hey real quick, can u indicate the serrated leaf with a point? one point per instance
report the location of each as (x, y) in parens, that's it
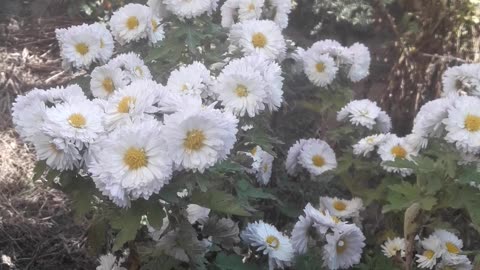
(401, 196)
(401, 163)
(155, 215)
(468, 175)
(96, 237)
(188, 241)
(233, 262)
(246, 190)
(39, 169)
(219, 201)
(160, 263)
(223, 231)
(128, 222)
(227, 166)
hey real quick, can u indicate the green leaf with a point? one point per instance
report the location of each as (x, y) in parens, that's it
(162, 262)
(39, 169)
(223, 231)
(401, 196)
(96, 237)
(155, 215)
(227, 166)
(127, 221)
(469, 174)
(246, 190)
(219, 201)
(401, 163)
(233, 262)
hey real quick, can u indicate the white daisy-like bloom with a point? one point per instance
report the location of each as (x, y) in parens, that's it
(322, 219)
(130, 23)
(262, 165)
(105, 80)
(451, 244)
(196, 213)
(242, 9)
(80, 121)
(170, 102)
(320, 69)
(272, 76)
(300, 234)
(62, 94)
(241, 88)
(282, 11)
(344, 247)
(109, 262)
(432, 247)
(384, 122)
(266, 238)
(360, 65)
(394, 246)
(259, 36)
(28, 114)
(460, 262)
(105, 39)
(342, 208)
(393, 148)
(462, 79)
(158, 8)
(428, 121)
(58, 153)
(79, 46)
(416, 141)
(193, 79)
(317, 157)
(130, 104)
(188, 9)
(155, 31)
(132, 161)
(368, 144)
(199, 137)
(293, 156)
(365, 113)
(332, 48)
(132, 65)
(463, 124)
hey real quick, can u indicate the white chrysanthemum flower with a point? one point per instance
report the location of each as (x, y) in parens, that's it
(416, 141)
(28, 114)
(197, 213)
(368, 144)
(79, 46)
(360, 65)
(259, 36)
(428, 121)
(282, 11)
(344, 247)
(193, 79)
(317, 157)
(300, 234)
(460, 262)
(463, 124)
(188, 9)
(394, 246)
(80, 121)
(132, 65)
(62, 94)
(170, 102)
(266, 238)
(293, 155)
(158, 8)
(132, 161)
(199, 137)
(396, 148)
(320, 69)
(432, 251)
(462, 79)
(262, 165)
(132, 103)
(451, 244)
(243, 10)
(332, 48)
(109, 262)
(130, 23)
(105, 80)
(342, 208)
(322, 220)
(105, 39)
(365, 113)
(59, 154)
(241, 88)
(155, 31)
(272, 76)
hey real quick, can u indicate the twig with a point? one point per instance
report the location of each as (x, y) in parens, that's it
(445, 58)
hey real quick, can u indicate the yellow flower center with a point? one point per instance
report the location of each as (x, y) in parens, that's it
(318, 161)
(273, 242)
(339, 206)
(102, 44)
(341, 246)
(241, 91)
(154, 25)
(251, 7)
(320, 67)
(82, 48)
(184, 88)
(259, 40)
(107, 85)
(135, 158)
(253, 151)
(124, 104)
(139, 71)
(429, 254)
(335, 219)
(398, 152)
(77, 120)
(472, 123)
(452, 248)
(132, 23)
(195, 140)
(265, 168)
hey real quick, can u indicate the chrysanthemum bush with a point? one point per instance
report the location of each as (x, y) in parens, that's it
(201, 137)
